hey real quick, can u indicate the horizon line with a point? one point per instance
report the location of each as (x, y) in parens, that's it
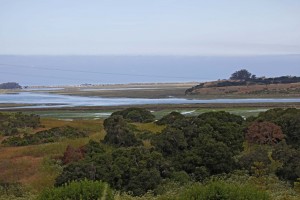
(153, 55)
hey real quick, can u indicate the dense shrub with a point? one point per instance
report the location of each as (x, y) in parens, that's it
(290, 159)
(11, 122)
(192, 148)
(51, 135)
(250, 159)
(170, 118)
(134, 169)
(203, 145)
(11, 189)
(288, 120)
(119, 133)
(221, 190)
(79, 190)
(136, 115)
(264, 133)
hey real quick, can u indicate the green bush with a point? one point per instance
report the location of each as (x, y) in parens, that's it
(221, 190)
(136, 115)
(79, 190)
(12, 123)
(46, 136)
(170, 118)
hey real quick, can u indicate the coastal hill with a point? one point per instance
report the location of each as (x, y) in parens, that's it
(244, 83)
(10, 85)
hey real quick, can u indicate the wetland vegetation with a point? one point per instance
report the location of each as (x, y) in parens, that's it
(179, 156)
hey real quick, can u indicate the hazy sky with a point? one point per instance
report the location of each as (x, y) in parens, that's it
(155, 27)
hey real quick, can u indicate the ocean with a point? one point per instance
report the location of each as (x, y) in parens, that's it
(75, 70)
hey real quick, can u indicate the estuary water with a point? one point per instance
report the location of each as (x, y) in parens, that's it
(48, 100)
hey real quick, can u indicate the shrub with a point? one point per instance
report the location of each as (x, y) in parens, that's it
(46, 136)
(119, 133)
(79, 190)
(264, 133)
(170, 118)
(221, 190)
(136, 115)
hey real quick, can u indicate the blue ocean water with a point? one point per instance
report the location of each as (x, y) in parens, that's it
(73, 70)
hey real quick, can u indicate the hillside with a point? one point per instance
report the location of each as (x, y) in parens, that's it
(10, 85)
(249, 85)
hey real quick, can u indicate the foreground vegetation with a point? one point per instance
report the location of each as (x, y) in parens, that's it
(215, 155)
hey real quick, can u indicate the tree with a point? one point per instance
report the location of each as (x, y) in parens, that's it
(118, 132)
(288, 120)
(134, 169)
(170, 118)
(170, 141)
(241, 75)
(264, 133)
(136, 115)
(249, 159)
(290, 159)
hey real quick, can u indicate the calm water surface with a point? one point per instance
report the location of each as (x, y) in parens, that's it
(46, 100)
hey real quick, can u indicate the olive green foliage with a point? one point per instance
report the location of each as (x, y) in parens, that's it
(136, 115)
(290, 159)
(170, 118)
(288, 120)
(134, 169)
(287, 152)
(119, 133)
(46, 136)
(11, 189)
(218, 190)
(79, 190)
(189, 149)
(11, 123)
(250, 160)
(203, 145)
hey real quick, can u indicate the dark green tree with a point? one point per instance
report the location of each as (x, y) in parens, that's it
(290, 159)
(170, 141)
(170, 118)
(134, 169)
(242, 74)
(136, 115)
(118, 132)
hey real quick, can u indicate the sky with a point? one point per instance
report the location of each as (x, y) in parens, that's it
(149, 27)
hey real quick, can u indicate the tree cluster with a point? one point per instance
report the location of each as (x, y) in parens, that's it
(197, 146)
(190, 148)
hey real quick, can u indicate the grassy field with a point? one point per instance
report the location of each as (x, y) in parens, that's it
(33, 166)
(37, 166)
